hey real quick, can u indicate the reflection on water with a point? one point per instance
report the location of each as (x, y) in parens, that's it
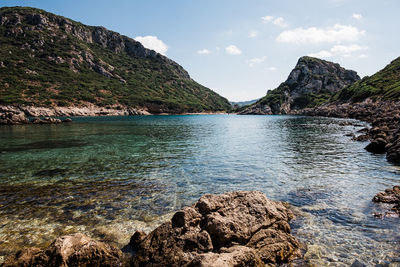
(48, 144)
(110, 176)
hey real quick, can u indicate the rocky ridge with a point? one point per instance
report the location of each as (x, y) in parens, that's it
(232, 229)
(311, 82)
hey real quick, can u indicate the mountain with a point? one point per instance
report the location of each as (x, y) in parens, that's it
(383, 85)
(243, 103)
(51, 61)
(311, 83)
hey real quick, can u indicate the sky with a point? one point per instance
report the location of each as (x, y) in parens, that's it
(243, 48)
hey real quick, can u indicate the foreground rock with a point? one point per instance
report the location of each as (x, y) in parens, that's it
(70, 250)
(232, 229)
(389, 196)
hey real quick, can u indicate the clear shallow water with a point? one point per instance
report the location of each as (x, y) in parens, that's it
(109, 176)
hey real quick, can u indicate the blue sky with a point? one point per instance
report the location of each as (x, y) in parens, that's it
(242, 48)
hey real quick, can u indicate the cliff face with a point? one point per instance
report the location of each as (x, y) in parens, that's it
(48, 60)
(312, 82)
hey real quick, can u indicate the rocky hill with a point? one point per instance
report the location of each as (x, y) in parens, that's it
(383, 85)
(312, 82)
(51, 61)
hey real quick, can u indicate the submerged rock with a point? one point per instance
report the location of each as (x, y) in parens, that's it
(46, 120)
(69, 250)
(232, 229)
(389, 196)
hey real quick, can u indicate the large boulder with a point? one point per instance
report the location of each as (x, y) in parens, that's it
(232, 229)
(393, 151)
(67, 251)
(377, 146)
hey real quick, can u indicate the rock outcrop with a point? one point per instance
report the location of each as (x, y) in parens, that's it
(12, 115)
(16, 115)
(311, 81)
(389, 196)
(70, 250)
(232, 229)
(257, 109)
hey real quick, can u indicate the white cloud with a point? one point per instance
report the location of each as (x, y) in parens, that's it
(152, 42)
(334, 34)
(253, 33)
(272, 69)
(217, 48)
(257, 60)
(267, 18)
(204, 52)
(233, 50)
(363, 56)
(341, 51)
(276, 21)
(357, 16)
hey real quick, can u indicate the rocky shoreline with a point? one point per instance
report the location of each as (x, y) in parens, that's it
(17, 115)
(11, 115)
(232, 229)
(384, 117)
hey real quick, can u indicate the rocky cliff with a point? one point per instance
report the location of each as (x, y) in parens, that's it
(312, 82)
(51, 61)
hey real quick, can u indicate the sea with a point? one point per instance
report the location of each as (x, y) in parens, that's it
(110, 176)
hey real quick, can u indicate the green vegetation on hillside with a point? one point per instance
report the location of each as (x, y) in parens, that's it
(48, 66)
(384, 84)
(277, 96)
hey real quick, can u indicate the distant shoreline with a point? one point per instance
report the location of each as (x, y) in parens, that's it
(21, 114)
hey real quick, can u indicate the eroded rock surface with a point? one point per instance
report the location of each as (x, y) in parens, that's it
(232, 229)
(12, 115)
(70, 250)
(389, 196)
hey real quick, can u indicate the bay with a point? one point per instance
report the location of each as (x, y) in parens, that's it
(110, 176)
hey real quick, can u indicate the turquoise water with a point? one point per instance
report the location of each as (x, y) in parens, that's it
(110, 176)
